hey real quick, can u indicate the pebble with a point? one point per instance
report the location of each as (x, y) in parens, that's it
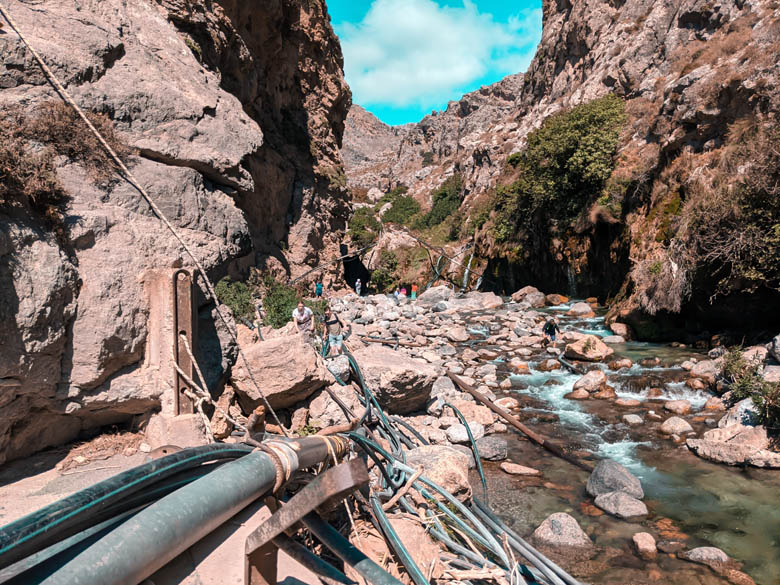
(632, 419)
(145, 448)
(644, 543)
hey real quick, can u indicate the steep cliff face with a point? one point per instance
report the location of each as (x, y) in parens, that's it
(699, 82)
(234, 113)
(470, 137)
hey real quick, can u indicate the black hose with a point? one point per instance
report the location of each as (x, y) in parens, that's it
(35, 531)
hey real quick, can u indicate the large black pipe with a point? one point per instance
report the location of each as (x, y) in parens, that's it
(63, 518)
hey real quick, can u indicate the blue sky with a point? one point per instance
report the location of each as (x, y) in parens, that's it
(404, 58)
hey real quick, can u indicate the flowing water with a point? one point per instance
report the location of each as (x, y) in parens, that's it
(702, 503)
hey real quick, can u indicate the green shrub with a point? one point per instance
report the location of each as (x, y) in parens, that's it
(279, 300)
(655, 267)
(384, 277)
(403, 209)
(237, 296)
(745, 381)
(563, 168)
(364, 227)
(446, 201)
(427, 158)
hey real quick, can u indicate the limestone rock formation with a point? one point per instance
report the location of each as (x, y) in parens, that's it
(291, 372)
(401, 384)
(234, 114)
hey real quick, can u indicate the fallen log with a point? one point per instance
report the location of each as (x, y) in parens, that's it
(553, 448)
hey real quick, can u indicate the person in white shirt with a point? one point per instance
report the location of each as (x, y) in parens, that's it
(304, 320)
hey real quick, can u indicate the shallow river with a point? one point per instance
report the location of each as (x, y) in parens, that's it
(737, 510)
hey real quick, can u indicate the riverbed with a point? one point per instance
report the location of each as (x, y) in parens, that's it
(689, 499)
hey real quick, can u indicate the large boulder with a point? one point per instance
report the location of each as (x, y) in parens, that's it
(589, 348)
(445, 466)
(707, 370)
(591, 381)
(325, 412)
(774, 347)
(610, 476)
(520, 295)
(621, 505)
(743, 413)
(581, 310)
(561, 531)
(286, 369)
(401, 384)
(675, 425)
(435, 294)
(536, 300)
(733, 445)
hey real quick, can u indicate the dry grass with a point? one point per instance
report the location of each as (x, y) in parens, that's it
(100, 448)
(31, 141)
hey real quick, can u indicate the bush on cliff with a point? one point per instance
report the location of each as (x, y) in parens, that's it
(404, 207)
(446, 201)
(562, 169)
(237, 296)
(384, 277)
(363, 227)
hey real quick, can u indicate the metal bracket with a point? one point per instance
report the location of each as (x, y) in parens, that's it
(183, 324)
(260, 551)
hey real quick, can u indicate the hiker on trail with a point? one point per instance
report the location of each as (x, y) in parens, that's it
(551, 329)
(259, 319)
(335, 329)
(403, 291)
(358, 286)
(318, 289)
(304, 320)
(414, 291)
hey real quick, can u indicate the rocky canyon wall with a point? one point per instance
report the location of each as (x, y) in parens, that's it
(699, 79)
(233, 113)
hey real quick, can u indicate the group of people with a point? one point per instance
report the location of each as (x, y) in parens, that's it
(303, 317)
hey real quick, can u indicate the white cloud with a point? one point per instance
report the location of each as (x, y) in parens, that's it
(415, 52)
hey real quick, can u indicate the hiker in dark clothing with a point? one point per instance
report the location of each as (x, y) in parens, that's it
(551, 329)
(335, 330)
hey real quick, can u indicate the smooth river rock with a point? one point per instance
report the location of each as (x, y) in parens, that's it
(561, 531)
(621, 505)
(610, 476)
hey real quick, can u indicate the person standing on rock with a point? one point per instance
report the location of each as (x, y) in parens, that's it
(259, 318)
(318, 289)
(414, 291)
(335, 330)
(358, 286)
(551, 329)
(304, 320)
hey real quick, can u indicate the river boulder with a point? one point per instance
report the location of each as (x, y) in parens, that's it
(401, 384)
(555, 299)
(732, 445)
(581, 310)
(492, 448)
(590, 349)
(676, 426)
(434, 295)
(774, 347)
(561, 531)
(591, 381)
(536, 300)
(678, 406)
(610, 476)
(707, 370)
(645, 546)
(520, 295)
(621, 505)
(445, 466)
(286, 369)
